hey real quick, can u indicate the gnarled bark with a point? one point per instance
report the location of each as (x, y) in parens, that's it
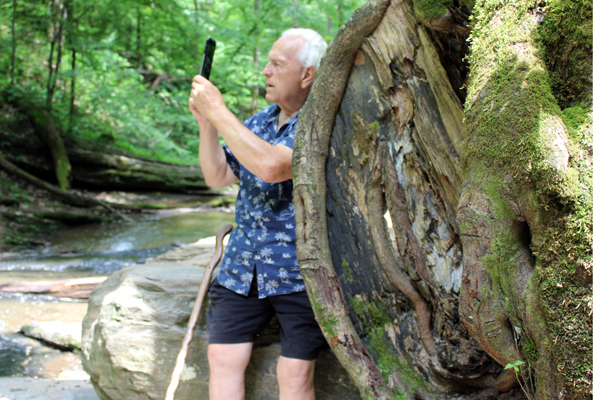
(309, 186)
(399, 228)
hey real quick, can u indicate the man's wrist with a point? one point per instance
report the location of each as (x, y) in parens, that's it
(206, 127)
(222, 116)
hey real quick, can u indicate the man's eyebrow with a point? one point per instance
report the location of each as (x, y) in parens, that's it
(280, 58)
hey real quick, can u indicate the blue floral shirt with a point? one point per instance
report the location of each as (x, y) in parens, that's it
(265, 237)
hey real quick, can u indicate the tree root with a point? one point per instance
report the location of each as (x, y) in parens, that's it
(391, 263)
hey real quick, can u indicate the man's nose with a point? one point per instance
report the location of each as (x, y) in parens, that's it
(267, 70)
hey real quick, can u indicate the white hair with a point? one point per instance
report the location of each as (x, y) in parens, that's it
(313, 48)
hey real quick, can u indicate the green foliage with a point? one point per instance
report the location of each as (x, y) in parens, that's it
(514, 365)
(119, 49)
(9, 188)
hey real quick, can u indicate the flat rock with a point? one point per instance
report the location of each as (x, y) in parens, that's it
(79, 288)
(47, 389)
(136, 322)
(66, 335)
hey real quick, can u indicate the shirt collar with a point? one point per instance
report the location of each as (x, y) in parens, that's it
(275, 114)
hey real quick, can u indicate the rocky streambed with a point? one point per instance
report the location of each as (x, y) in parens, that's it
(71, 254)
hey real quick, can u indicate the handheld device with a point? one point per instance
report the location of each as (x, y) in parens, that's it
(207, 58)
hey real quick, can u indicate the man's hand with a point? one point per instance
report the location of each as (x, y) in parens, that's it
(205, 99)
(200, 119)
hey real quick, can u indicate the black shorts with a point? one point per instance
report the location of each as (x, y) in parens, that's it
(234, 318)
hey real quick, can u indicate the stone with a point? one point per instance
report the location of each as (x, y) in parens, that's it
(136, 322)
(79, 288)
(47, 389)
(64, 335)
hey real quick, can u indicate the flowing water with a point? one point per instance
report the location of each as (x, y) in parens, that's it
(78, 252)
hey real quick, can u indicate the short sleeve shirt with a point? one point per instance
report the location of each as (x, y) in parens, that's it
(265, 237)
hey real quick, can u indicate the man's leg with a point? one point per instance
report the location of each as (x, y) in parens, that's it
(228, 364)
(296, 379)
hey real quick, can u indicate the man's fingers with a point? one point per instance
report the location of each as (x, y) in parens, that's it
(200, 79)
(197, 87)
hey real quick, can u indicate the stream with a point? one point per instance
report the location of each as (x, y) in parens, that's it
(78, 252)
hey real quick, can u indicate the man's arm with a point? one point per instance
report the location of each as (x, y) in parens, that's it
(270, 163)
(217, 173)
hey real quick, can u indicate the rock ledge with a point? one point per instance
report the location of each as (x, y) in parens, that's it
(135, 324)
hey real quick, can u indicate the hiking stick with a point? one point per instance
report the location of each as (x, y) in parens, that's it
(196, 311)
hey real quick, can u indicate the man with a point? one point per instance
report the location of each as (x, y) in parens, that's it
(260, 274)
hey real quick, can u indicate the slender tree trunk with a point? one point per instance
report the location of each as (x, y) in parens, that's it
(138, 36)
(59, 16)
(196, 45)
(14, 43)
(313, 250)
(50, 72)
(71, 37)
(73, 83)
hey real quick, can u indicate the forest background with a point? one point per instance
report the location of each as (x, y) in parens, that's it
(119, 73)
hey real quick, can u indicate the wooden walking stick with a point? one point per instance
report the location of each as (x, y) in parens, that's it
(196, 311)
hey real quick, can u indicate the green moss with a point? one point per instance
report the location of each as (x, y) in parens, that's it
(389, 362)
(493, 187)
(567, 36)
(512, 110)
(370, 313)
(364, 137)
(329, 323)
(373, 316)
(530, 349)
(578, 120)
(347, 272)
(429, 10)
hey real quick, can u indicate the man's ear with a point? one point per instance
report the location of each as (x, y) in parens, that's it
(308, 77)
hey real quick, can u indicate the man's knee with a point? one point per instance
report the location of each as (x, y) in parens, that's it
(296, 374)
(230, 357)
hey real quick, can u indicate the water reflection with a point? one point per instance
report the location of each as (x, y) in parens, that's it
(104, 249)
(158, 230)
(13, 354)
(93, 262)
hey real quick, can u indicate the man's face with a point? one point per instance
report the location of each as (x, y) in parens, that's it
(284, 72)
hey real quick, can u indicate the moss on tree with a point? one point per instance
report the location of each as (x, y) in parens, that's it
(430, 10)
(513, 109)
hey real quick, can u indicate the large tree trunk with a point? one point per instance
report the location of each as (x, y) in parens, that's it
(418, 253)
